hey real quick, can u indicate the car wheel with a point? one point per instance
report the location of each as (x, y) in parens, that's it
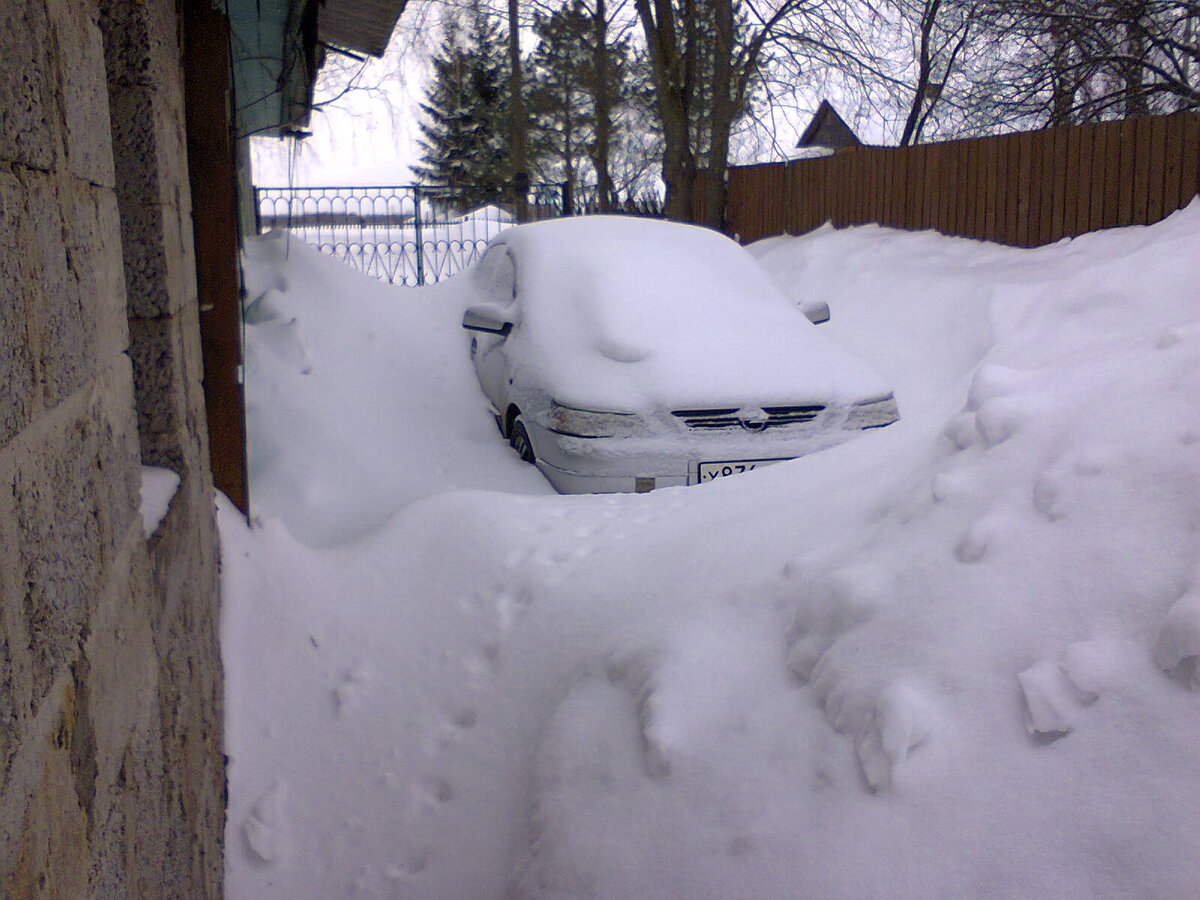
(520, 441)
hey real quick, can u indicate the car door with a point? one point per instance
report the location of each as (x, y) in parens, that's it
(496, 278)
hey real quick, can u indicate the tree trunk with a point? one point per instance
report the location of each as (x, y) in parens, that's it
(924, 68)
(679, 160)
(603, 100)
(520, 124)
(1062, 99)
(1131, 71)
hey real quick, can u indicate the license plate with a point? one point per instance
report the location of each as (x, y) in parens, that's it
(711, 471)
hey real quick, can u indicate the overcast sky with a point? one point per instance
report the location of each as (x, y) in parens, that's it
(368, 135)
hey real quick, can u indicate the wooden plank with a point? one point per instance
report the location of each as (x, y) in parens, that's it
(968, 201)
(867, 212)
(947, 187)
(1172, 164)
(811, 185)
(1156, 168)
(898, 163)
(994, 197)
(1141, 172)
(797, 201)
(1112, 173)
(1061, 171)
(988, 151)
(1024, 188)
(931, 201)
(1044, 161)
(1086, 179)
(212, 170)
(1095, 141)
(888, 160)
(883, 184)
(1189, 160)
(842, 196)
(977, 196)
(875, 206)
(1031, 173)
(1125, 173)
(1071, 174)
(1010, 183)
(805, 184)
(853, 186)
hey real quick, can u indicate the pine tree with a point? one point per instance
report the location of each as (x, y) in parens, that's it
(563, 89)
(465, 139)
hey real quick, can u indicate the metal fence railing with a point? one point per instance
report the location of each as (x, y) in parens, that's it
(416, 234)
(404, 234)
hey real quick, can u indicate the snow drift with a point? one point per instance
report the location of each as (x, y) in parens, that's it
(956, 657)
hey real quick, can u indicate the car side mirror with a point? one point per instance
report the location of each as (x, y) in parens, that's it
(816, 312)
(487, 319)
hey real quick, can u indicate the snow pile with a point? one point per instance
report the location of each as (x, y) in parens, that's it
(955, 657)
(158, 489)
(359, 397)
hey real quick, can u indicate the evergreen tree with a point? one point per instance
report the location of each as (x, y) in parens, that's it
(465, 137)
(567, 90)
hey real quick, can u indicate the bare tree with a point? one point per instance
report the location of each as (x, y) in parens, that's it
(1087, 60)
(704, 58)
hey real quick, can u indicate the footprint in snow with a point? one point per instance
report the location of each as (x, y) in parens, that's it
(347, 696)
(993, 381)
(998, 420)
(973, 546)
(1055, 694)
(1177, 648)
(903, 719)
(950, 486)
(1048, 495)
(1051, 701)
(961, 431)
(263, 830)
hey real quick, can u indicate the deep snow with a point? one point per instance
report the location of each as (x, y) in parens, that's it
(955, 657)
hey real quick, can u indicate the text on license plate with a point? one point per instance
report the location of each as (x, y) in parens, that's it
(710, 471)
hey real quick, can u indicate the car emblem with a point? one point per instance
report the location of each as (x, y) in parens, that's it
(756, 423)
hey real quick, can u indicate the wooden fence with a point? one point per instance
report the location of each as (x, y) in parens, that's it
(1023, 189)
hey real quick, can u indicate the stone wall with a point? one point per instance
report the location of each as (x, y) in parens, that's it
(111, 773)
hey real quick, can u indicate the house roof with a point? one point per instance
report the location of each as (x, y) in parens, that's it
(362, 25)
(828, 129)
(278, 48)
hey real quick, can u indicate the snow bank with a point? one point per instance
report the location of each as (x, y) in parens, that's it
(956, 657)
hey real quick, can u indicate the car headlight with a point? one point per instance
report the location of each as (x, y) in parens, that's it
(588, 423)
(873, 413)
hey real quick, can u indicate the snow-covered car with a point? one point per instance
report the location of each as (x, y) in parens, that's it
(625, 354)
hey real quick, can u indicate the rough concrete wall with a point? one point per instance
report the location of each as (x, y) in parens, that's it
(111, 775)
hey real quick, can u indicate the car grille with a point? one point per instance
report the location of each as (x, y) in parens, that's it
(728, 418)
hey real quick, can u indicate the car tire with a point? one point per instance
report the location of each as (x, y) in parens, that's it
(521, 443)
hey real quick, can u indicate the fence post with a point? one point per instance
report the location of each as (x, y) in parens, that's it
(418, 237)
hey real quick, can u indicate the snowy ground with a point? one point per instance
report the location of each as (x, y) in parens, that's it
(952, 658)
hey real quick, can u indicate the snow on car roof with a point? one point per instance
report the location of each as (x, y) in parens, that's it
(634, 314)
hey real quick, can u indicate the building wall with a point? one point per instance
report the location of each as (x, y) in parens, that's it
(111, 773)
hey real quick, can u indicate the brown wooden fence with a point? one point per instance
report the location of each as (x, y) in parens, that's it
(1023, 189)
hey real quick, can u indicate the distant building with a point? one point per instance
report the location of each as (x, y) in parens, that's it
(826, 134)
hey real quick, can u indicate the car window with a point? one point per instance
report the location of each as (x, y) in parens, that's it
(496, 276)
